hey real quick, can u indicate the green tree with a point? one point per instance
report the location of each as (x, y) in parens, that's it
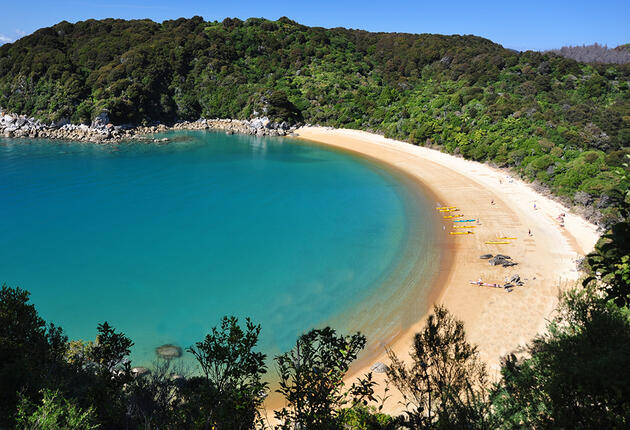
(155, 397)
(103, 374)
(609, 264)
(445, 385)
(312, 380)
(54, 413)
(31, 353)
(576, 375)
(231, 391)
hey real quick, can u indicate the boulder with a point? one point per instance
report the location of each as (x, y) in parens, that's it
(140, 371)
(168, 351)
(379, 367)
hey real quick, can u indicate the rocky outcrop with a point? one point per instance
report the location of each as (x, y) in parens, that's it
(257, 126)
(102, 131)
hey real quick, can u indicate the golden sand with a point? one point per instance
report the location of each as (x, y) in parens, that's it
(497, 321)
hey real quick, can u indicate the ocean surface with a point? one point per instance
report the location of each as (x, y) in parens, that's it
(162, 240)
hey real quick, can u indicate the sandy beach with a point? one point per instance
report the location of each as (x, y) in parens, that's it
(497, 321)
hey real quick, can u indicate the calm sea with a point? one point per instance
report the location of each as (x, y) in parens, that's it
(161, 241)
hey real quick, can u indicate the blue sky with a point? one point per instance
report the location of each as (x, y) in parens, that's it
(514, 24)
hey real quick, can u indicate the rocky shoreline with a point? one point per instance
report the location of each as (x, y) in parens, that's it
(102, 131)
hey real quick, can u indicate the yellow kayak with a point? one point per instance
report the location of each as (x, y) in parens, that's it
(495, 242)
(447, 207)
(461, 232)
(453, 216)
(449, 210)
(464, 226)
(504, 238)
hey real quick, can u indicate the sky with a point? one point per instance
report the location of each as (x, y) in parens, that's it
(521, 25)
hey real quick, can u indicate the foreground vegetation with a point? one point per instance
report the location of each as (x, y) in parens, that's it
(574, 376)
(563, 124)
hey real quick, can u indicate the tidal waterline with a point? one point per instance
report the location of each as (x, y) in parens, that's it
(163, 240)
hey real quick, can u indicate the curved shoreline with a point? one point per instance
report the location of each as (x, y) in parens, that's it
(422, 195)
(497, 321)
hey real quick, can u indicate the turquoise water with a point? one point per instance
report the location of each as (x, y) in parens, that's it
(163, 240)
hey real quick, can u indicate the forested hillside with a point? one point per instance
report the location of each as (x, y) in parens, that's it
(561, 123)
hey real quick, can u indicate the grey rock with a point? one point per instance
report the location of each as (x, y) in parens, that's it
(379, 367)
(168, 351)
(101, 120)
(140, 371)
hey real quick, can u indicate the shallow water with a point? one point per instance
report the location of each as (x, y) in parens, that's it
(163, 240)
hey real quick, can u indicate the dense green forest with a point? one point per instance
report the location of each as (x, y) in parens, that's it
(560, 123)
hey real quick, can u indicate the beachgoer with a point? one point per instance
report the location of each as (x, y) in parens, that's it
(534, 206)
(529, 231)
(492, 202)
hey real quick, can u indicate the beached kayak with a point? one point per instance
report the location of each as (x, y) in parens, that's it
(464, 220)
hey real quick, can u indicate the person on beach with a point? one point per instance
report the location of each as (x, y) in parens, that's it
(492, 202)
(534, 206)
(529, 231)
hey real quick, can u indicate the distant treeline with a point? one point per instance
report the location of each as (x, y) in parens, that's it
(562, 124)
(595, 53)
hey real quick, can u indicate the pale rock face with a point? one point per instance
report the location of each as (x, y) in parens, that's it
(101, 120)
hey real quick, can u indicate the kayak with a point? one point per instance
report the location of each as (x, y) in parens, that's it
(504, 238)
(464, 220)
(461, 232)
(447, 207)
(495, 242)
(486, 284)
(449, 210)
(453, 216)
(464, 226)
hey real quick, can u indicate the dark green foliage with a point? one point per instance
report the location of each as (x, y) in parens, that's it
(155, 399)
(463, 93)
(576, 376)
(231, 391)
(610, 264)
(445, 386)
(103, 374)
(31, 353)
(311, 380)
